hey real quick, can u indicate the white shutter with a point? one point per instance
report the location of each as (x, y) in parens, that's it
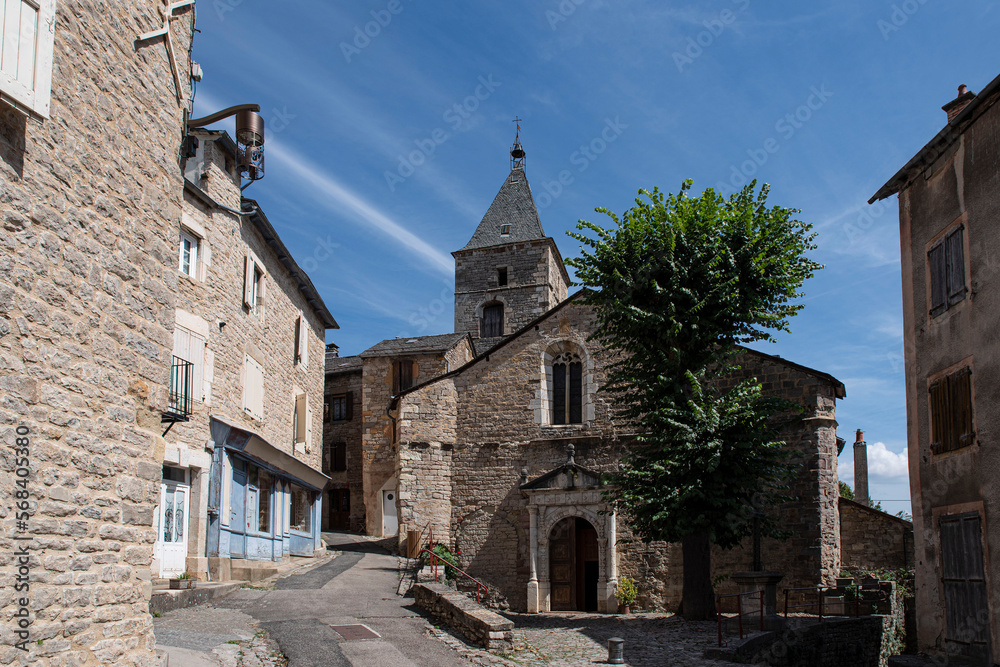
(309, 422)
(303, 329)
(189, 346)
(300, 418)
(248, 283)
(253, 388)
(27, 31)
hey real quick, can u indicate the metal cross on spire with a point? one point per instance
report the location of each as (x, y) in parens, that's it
(167, 11)
(516, 152)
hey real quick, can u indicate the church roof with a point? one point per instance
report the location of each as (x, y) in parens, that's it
(416, 345)
(512, 206)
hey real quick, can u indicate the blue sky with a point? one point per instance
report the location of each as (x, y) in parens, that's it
(389, 123)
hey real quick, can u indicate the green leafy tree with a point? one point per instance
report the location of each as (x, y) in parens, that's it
(845, 490)
(676, 283)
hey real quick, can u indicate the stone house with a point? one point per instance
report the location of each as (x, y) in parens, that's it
(948, 207)
(90, 200)
(240, 489)
(471, 433)
(342, 498)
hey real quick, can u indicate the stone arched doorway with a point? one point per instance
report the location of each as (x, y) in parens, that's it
(574, 565)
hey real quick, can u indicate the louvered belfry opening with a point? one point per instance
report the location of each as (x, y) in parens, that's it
(492, 325)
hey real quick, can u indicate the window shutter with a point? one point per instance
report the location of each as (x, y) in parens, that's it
(302, 333)
(340, 457)
(309, 422)
(576, 393)
(492, 321)
(27, 31)
(253, 388)
(395, 377)
(327, 460)
(558, 393)
(938, 275)
(961, 389)
(349, 411)
(189, 346)
(248, 283)
(300, 418)
(937, 391)
(955, 256)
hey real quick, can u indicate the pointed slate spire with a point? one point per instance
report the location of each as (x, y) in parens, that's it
(512, 217)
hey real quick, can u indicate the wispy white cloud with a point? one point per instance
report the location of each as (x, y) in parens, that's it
(883, 462)
(338, 198)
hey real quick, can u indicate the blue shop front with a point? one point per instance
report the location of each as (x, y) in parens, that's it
(263, 504)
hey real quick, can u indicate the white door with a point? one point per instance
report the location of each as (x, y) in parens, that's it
(172, 538)
(390, 522)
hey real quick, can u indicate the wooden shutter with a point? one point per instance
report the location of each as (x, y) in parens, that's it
(327, 457)
(558, 393)
(295, 344)
(27, 30)
(964, 582)
(248, 299)
(302, 340)
(402, 376)
(576, 393)
(349, 410)
(300, 418)
(492, 321)
(955, 260)
(940, 420)
(960, 386)
(309, 422)
(939, 278)
(340, 457)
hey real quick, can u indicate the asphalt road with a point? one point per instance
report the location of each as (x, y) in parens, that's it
(356, 587)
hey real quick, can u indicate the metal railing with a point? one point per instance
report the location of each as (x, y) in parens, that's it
(480, 586)
(863, 597)
(180, 399)
(741, 609)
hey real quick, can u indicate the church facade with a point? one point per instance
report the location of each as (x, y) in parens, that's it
(496, 440)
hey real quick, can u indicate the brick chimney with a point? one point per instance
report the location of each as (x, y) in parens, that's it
(955, 107)
(861, 469)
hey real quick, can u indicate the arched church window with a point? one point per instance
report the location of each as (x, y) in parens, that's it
(567, 389)
(492, 323)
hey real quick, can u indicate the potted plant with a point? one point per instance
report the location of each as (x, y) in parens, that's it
(626, 595)
(182, 581)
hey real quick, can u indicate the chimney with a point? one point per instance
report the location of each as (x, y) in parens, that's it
(332, 351)
(861, 469)
(955, 107)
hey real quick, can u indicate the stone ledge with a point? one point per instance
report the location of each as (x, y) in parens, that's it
(167, 600)
(479, 626)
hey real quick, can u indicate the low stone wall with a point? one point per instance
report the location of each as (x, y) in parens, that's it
(479, 626)
(871, 539)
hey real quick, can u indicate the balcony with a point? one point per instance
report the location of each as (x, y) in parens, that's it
(180, 399)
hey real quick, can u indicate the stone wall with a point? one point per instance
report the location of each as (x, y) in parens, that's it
(871, 539)
(535, 283)
(479, 626)
(348, 432)
(90, 200)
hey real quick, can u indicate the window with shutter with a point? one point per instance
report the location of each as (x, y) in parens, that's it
(190, 347)
(189, 247)
(303, 343)
(339, 407)
(946, 269)
(327, 409)
(402, 376)
(301, 418)
(253, 388)
(27, 30)
(952, 412)
(492, 325)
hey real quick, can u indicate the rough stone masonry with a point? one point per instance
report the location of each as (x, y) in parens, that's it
(89, 203)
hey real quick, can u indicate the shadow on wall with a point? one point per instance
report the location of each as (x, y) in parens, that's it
(13, 132)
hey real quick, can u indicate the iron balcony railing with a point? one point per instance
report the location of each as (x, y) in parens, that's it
(180, 399)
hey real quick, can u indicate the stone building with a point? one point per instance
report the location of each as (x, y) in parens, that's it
(948, 207)
(471, 433)
(342, 498)
(240, 489)
(90, 201)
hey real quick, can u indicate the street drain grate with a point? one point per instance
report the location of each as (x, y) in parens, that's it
(352, 632)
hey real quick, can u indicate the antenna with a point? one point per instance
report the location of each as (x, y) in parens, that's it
(516, 151)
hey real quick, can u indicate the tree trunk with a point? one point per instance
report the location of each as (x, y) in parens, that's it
(698, 601)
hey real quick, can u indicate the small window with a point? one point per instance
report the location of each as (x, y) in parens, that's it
(402, 376)
(951, 412)
(300, 355)
(264, 501)
(190, 347)
(340, 407)
(301, 509)
(253, 284)
(567, 390)
(27, 29)
(189, 254)
(504, 230)
(946, 267)
(174, 475)
(502, 276)
(492, 322)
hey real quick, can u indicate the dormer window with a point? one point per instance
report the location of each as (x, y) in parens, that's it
(504, 230)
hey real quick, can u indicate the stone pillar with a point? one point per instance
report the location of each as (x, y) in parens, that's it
(533, 561)
(611, 560)
(861, 469)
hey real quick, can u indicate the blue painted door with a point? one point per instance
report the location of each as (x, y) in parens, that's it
(238, 514)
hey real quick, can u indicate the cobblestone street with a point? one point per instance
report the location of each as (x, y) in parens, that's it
(576, 639)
